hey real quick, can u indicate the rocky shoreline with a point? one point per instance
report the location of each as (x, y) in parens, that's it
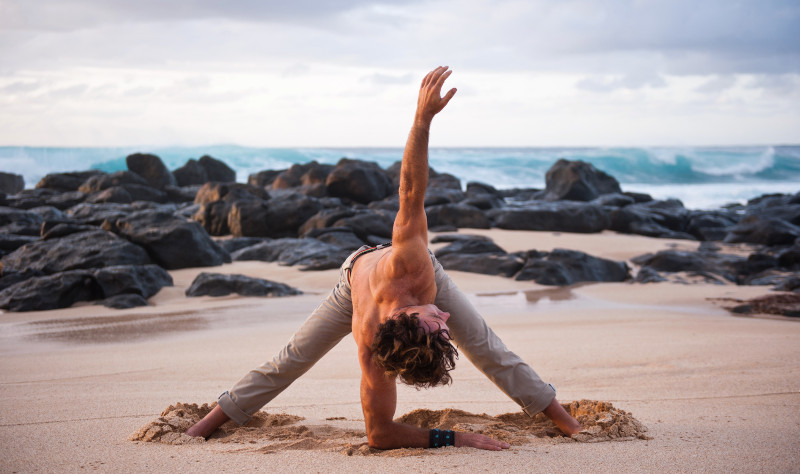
(110, 237)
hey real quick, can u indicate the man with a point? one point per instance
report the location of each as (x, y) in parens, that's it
(397, 301)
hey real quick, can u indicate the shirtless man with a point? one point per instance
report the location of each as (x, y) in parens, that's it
(395, 299)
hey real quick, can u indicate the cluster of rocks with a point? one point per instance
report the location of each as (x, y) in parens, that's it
(313, 215)
(479, 254)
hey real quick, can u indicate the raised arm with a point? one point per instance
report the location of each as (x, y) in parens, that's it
(411, 223)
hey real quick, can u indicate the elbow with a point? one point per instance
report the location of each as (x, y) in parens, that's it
(379, 438)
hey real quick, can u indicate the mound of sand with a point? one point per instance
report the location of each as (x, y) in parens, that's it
(276, 432)
(600, 421)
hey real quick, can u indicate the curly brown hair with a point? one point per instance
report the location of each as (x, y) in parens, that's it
(418, 358)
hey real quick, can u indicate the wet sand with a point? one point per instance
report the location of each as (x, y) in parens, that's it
(716, 392)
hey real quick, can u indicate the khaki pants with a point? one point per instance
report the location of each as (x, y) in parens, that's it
(331, 322)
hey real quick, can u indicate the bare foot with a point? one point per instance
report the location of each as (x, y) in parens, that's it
(563, 420)
(209, 423)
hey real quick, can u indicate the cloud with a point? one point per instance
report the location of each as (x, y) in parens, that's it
(296, 70)
(388, 79)
(20, 87)
(632, 81)
(717, 84)
(66, 15)
(614, 37)
(777, 85)
(69, 92)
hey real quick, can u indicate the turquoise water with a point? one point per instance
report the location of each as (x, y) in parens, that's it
(702, 177)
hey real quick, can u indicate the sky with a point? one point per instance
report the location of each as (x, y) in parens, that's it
(305, 73)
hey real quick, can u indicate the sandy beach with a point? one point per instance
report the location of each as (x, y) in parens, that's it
(716, 392)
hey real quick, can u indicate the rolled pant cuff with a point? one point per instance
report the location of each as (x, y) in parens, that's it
(233, 411)
(542, 401)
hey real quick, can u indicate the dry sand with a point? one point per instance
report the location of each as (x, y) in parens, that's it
(716, 392)
(600, 422)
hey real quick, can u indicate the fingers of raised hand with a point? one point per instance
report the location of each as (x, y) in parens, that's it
(442, 77)
(432, 77)
(448, 96)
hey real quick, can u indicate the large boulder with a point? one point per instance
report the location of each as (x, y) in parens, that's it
(61, 290)
(172, 242)
(152, 169)
(665, 219)
(564, 216)
(64, 201)
(368, 225)
(30, 198)
(469, 246)
(359, 181)
(217, 170)
(483, 196)
(10, 277)
(128, 193)
(54, 229)
(82, 250)
(710, 225)
(96, 214)
(237, 243)
(190, 174)
(104, 181)
(790, 258)
(307, 174)
(216, 201)
(457, 215)
(217, 284)
(766, 231)
(727, 266)
(577, 181)
(476, 254)
(11, 242)
(215, 191)
(490, 263)
(776, 206)
(11, 183)
(142, 280)
(115, 194)
(124, 301)
(306, 252)
(565, 267)
(66, 182)
(326, 218)
(279, 217)
(20, 222)
(435, 179)
(115, 284)
(213, 216)
(264, 178)
(341, 237)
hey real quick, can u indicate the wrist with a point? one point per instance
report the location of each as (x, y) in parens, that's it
(440, 438)
(422, 121)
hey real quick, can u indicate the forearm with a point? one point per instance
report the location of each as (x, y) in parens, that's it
(414, 167)
(398, 435)
(209, 423)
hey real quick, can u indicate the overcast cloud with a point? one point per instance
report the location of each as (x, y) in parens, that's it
(533, 72)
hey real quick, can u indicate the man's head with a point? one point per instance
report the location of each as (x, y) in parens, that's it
(414, 345)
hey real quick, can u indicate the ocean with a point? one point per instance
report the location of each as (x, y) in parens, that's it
(701, 177)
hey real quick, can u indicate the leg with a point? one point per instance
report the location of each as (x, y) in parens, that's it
(487, 352)
(326, 326)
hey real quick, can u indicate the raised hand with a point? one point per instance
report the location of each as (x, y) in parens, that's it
(475, 440)
(430, 101)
